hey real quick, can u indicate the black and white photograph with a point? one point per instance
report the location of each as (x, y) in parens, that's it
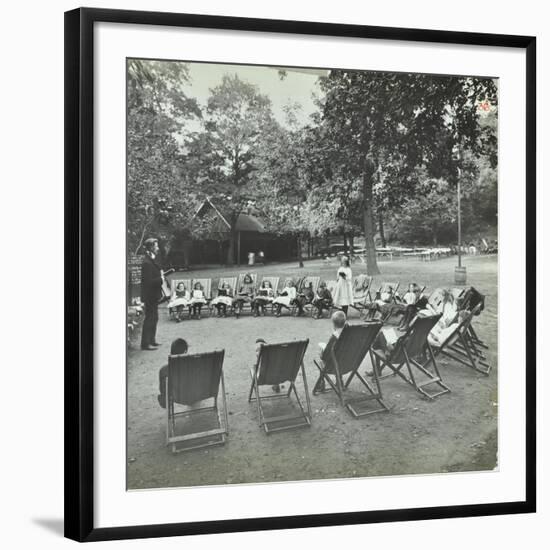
(312, 273)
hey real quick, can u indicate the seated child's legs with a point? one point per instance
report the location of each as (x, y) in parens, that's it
(163, 375)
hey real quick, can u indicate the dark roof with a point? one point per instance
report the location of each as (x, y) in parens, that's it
(248, 222)
(245, 221)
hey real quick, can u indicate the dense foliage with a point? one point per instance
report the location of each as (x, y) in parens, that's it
(379, 160)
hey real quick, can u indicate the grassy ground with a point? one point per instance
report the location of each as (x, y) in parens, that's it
(456, 432)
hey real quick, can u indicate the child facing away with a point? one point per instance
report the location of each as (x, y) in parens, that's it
(322, 300)
(223, 300)
(179, 347)
(338, 323)
(198, 299)
(179, 301)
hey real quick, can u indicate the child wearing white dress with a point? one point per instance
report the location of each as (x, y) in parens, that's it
(198, 299)
(179, 301)
(286, 297)
(343, 294)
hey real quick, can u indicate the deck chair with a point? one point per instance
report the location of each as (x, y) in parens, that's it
(361, 292)
(240, 280)
(393, 290)
(304, 282)
(409, 352)
(467, 303)
(207, 289)
(331, 286)
(344, 356)
(173, 284)
(194, 378)
(462, 347)
(278, 364)
(274, 285)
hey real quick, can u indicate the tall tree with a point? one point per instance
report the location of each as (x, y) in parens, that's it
(157, 108)
(226, 150)
(367, 114)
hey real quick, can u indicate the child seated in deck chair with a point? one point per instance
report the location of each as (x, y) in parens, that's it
(382, 303)
(179, 347)
(322, 300)
(444, 328)
(223, 300)
(198, 299)
(263, 297)
(286, 297)
(179, 301)
(338, 323)
(413, 302)
(306, 296)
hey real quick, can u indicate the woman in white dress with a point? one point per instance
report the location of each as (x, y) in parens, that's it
(343, 294)
(286, 297)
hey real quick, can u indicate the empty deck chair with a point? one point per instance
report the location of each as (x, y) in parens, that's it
(278, 364)
(173, 285)
(462, 347)
(413, 352)
(343, 356)
(191, 379)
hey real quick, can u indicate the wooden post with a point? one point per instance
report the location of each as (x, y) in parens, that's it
(238, 248)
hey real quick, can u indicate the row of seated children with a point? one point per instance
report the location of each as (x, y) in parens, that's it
(258, 299)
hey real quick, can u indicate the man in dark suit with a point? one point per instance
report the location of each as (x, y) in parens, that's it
(151, 291)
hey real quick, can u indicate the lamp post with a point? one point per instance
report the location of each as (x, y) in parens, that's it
(460, 271)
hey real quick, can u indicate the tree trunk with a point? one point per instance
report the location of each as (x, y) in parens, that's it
(381, 229)
(231, 249)
(351, 247)
(345, 242)
(299, 245)
(368, 219)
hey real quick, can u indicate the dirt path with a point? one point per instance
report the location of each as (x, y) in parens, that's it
(457, 432)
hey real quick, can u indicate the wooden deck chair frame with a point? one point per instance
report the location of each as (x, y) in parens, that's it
(173, 284)
(344, 358)
(461, 347)
(201, 439)
(359, 305)
(262, 376)
(457, 293)
(240, 280)
(316, 281)
(207, 288)
(274, 285)
(402, 356)
(393, 286)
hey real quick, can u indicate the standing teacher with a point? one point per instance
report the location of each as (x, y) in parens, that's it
(343, 294)
(151, 292)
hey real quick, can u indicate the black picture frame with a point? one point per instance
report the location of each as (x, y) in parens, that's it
(79, 269)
